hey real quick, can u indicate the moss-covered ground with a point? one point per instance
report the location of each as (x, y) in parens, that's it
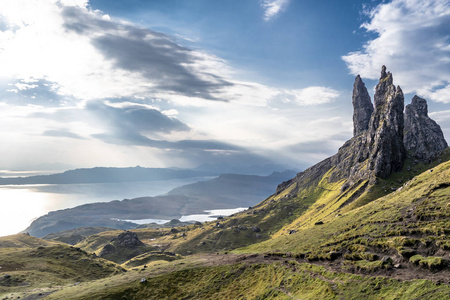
(287, 279)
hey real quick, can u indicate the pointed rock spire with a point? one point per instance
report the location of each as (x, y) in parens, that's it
(384, 144)
(381, 89)
(362, 107)
(423, 137)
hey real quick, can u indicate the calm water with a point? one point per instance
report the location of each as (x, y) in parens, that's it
(208, 215)
(20, 205)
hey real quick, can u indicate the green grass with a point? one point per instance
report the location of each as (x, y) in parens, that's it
(33, 263)
(417, 218)
(280, 280)
(360, 232)
(431, 262)
(148, 257)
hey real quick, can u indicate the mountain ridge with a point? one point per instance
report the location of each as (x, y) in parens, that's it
(107, 175)
(226, 191)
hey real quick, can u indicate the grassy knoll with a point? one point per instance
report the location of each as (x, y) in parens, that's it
(28, 264)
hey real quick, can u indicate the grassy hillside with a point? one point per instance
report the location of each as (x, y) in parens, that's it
(240, 277)
(395, 247)
(389, 240)
(420, 211)
(74, 236)
(31, 266)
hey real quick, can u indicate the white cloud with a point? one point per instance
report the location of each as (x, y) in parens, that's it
(413, 41)
(25, 86)
(60, 58)
(87, 55)
(273, 7)
(312, 95)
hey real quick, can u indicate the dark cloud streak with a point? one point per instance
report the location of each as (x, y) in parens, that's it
(141, 140)
(166, 64)
(62, 133)
(135, 118)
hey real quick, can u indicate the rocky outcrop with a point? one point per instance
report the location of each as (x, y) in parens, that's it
(379, 151)
(362, 107)
(423, 137)
(123, 247)
(384, 142)
(127, 239)
(377, 148)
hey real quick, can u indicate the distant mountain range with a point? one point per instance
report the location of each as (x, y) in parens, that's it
(108, 175)
(226, 191)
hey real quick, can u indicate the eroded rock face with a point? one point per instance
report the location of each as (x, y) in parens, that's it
(380, 150)
(384, 143)
(127, 239)
(423, 137)
(379, 145)
(362, 107)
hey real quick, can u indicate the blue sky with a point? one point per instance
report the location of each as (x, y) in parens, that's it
(243, 85)
(300, 46)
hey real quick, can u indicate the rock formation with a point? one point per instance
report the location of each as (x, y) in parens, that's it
(127, 239)
(362, 106)
(423, 137)
(379, 151)
(127, 244)
(384, 144)
(382, 136)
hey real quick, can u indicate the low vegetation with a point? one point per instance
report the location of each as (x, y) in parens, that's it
(390, 241)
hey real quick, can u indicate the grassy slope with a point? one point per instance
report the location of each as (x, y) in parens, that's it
(32, 264)
(76, 235)
(408, 227)
(249, 280)
(299, 206)
(413, 220)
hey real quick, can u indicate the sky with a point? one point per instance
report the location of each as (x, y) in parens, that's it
(247, 86)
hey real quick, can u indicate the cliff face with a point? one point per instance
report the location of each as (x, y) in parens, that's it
(377, 151)
(384, 142)
(383, 137)
(362, 106)
(423, 137)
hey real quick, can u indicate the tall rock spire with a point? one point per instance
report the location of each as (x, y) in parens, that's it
(423, 137)
(384, 141)
(362, 107)
(379, 146)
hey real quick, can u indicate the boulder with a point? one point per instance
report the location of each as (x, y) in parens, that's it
(256, 229)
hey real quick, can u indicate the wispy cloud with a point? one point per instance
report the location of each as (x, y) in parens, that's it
(106, 57)
(116, 91)
(413, 41)
(62, 134)
(273, 8)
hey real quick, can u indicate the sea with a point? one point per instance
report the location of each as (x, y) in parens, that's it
(21, 204)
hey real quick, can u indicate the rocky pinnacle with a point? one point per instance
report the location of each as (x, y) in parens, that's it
(383, 137)
(423, 138)
(384, 142)
(362, 107)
